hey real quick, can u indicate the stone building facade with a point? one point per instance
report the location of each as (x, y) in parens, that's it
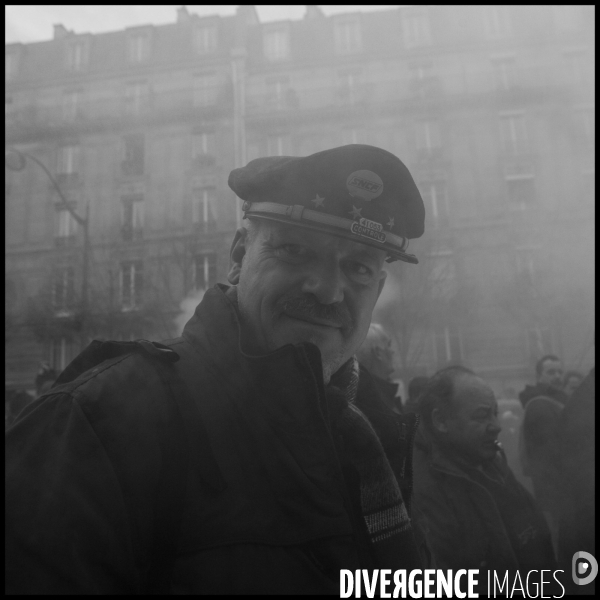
(491, 108)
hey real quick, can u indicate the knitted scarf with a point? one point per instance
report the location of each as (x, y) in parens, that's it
(381, 502)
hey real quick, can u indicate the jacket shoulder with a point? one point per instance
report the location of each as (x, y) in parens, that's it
(126, 388)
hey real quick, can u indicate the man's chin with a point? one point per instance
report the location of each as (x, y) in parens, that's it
(295, 331)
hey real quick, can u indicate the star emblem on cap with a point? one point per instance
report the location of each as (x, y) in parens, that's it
(318, 201)
(355, 212)
(390, 223)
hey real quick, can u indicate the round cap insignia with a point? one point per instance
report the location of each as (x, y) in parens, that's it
(364, 184)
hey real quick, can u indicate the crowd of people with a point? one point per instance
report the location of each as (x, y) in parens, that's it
(266, 448)
(467, 499)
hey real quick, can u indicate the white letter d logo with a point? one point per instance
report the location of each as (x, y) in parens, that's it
(587, 565)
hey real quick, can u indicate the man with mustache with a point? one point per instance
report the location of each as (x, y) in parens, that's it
(250, 455)
(474, 512)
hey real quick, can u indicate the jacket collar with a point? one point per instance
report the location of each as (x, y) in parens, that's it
(441, 460)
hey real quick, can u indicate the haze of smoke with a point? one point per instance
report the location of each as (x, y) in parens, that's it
(187, 307)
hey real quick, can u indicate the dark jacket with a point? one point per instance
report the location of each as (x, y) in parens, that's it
(540, 389)
(540, 450)
(474, 520)
(577, 444)
(387, 392)
(267, 512)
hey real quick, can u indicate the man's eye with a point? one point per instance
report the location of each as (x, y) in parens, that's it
(294, 250)
(361, 269)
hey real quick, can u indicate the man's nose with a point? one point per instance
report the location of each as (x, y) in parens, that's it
(326, 283)
(495, 427)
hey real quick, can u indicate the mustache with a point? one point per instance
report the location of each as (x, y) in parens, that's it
(308, 306)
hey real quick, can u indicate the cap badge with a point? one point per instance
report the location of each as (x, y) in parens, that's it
(368, 229)
(364, 184)
(355, 212)
(318, 201)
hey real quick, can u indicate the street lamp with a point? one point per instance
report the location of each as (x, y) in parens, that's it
(15, 160)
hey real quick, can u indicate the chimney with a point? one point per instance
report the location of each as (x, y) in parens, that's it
(60, 31)
(313, 12)
(183, 16)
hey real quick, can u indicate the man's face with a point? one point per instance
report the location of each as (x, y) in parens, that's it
(552, 374)
(472, 428)
(297, 285)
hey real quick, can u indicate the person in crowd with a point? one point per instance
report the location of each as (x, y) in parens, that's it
(377, 356)
(473, 511)
(577, 443)
(251, 454)
(549, 381)
(538, 448)
(416, 387)
(45, 378)
(572, 381)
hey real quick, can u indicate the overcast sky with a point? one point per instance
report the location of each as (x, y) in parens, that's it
(29, 23)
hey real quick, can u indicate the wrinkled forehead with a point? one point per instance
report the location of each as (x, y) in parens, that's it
(274, 231)
(472, 392)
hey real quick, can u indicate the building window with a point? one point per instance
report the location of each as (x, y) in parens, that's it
(203, 207)
(520, 190)
(278, 145)
(447, 345)
(205, 38)
(63, 291)
(435, 198)
(347, 35)
(77, 55)
(203, 145)
(132, 217)
(68, 160)
(423, 81)
(205, 271)
(138, 47)
(505, 72)
(276, 44)
(513, 133)
(132, 283)
(416, 30)
(567, 18)
(66, 225)
(71, 105)
(133, 154)
(496, 21)
(204, 90)
(348, 86)
(11, 65)
(61, 351)
(137, 98)
(277, 89)
(526, 265)
(429, 140)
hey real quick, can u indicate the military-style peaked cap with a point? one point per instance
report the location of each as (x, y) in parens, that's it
(358, 192)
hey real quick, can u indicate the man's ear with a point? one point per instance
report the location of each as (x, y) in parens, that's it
(236, 255)
(437, 420)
